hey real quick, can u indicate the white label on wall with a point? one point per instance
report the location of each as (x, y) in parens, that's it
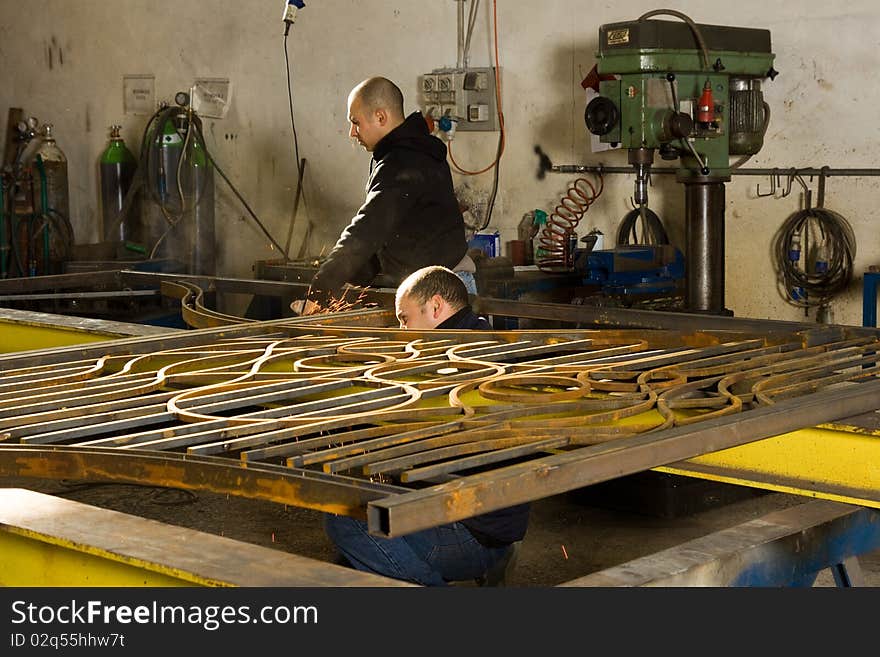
(211, 97)
(139, 94)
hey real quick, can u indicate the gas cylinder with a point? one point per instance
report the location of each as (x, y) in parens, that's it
(182, 185)
(200, 185)
(161, 194)
(117, 169)
(54, 162)
(169, 143)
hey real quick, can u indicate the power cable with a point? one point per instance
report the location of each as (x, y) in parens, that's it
(827, 268)
(698, 36)
(300, 163)
(472, 20)
(290, 103)
(243, 202)
(499, 151)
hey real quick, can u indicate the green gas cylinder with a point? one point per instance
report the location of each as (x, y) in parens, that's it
(117, 169)
(170, 144)
(200, 188)
(180, 190)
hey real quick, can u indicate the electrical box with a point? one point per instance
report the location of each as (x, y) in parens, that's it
(465, 95)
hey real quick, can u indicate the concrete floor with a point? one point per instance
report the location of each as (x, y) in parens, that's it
(569, 536)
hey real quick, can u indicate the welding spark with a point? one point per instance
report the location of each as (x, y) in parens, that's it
(564, 553)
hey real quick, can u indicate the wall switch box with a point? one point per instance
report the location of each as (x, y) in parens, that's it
(478, 113)
(467, 95)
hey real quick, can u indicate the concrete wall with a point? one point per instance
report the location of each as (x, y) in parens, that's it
(63, 62)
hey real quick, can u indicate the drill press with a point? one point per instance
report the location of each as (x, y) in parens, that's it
(690, 92)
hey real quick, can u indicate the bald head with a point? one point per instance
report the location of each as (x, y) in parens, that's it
(375, 108)
(428, 297)
(379, 94)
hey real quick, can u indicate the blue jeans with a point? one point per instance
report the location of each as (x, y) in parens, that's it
(431, 557)
(469, 281)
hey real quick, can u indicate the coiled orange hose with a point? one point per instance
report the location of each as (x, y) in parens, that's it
(554, 237)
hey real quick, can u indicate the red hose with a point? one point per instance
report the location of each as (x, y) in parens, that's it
(555, 236)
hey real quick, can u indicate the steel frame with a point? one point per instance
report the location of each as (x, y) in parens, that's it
(414, 429)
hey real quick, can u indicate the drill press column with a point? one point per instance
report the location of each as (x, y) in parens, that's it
(704, 210)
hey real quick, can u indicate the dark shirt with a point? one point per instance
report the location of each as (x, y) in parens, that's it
(409, 220)
(504, 526)
(466, 319)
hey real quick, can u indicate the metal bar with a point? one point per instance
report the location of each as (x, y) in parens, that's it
(61, 281)
(227, 429)
(192, 306)
(110, 393)
(291, 450)
(110, 294)
(115, 419)
(378, 443)
(220, 284)
(479, 460)
(178, 339)
(848, 573)
(260, 286)
(502, 353)
(106, 328)
(67, 391)
(559, 473)
(655, 319)
(50, 541)
(65, 413)
(363, 456)
(305, 488)
(453, 447)
(356, 409)
(782, 171)
(85, 427)
(870, 283)
(778, 549)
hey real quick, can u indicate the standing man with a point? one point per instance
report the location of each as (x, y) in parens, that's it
(434, 297)
(410, 218)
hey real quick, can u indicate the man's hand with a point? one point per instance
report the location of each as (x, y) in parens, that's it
(302, 307)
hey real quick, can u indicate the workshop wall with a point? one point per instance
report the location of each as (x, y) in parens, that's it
(64, 63)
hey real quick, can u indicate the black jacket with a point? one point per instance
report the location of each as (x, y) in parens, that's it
(466, 319)
(410, 218)
(505, 526)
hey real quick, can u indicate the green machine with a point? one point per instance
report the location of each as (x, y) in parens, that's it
(692, 93)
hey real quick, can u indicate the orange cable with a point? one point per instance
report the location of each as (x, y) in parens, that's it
(502, 134)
